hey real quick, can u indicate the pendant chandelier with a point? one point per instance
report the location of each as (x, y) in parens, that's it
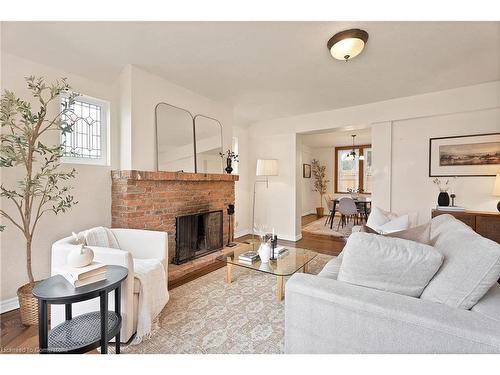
(352, 155)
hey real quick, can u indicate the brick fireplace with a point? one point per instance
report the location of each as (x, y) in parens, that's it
(153, 200)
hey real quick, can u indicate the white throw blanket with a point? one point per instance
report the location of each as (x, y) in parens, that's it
(153, 294)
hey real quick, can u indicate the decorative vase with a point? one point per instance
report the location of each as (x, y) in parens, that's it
(320, 211)
(229, 167)
(80, 256)
(443, 199)
(264, 252)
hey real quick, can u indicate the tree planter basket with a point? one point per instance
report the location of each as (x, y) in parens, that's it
(28, 305)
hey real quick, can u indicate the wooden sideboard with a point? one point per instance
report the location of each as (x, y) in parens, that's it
(487, 224)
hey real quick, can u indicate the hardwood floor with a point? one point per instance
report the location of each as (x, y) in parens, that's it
(16, 338)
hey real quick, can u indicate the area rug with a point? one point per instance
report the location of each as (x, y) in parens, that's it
(319, 227)
(207, 315)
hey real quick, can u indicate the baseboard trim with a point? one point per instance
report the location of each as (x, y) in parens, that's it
(242, 232)
(9, 305)
(310, 212)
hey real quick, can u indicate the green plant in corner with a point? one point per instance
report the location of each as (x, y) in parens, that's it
(320, 183)
(40, 190)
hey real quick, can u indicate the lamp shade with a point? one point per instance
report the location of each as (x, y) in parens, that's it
(496, 188)
(267, 167)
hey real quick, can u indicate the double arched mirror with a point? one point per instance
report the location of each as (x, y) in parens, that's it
(185, 142)
(208, 144)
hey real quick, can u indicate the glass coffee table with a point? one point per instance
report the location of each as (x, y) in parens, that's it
(289, 262)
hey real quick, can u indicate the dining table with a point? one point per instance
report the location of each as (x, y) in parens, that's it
(364, 202)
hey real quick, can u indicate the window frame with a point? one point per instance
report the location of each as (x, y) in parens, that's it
(104, 105)
(361, 171)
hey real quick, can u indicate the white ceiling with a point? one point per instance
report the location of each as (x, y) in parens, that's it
(337, 138)
(270, 69)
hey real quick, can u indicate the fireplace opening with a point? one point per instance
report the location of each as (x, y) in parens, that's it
(197, 235)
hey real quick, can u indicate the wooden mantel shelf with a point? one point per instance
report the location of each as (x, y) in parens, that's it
(170, 176)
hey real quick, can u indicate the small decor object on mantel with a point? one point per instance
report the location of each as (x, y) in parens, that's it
(230, 158)
(320, 183)
(42, 188)
(443, 197)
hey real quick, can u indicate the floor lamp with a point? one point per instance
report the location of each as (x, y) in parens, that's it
(265, 168)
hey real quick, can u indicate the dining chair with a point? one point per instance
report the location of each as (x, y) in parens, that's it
(347, 209)
(329, 205)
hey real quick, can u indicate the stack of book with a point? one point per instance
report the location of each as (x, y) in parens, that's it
(450, 208)
(280, 251)
(249, 257)
(82, 276)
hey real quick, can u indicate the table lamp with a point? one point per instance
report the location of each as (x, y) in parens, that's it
(265, 168)
(496, 190)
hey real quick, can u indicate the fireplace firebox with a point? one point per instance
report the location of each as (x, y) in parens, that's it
(197, 235)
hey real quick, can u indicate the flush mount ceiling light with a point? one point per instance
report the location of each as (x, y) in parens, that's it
(347, 44)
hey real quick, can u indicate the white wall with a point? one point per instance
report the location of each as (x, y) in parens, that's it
(412, 189)
(92, 187)
(309, 204)
(462, 105)
(276, 206)
(147, 90)
(244, 187)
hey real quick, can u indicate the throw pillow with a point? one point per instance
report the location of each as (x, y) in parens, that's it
(471, 266)
(420, 234)
(387, 222)
(389, 264)
(102, 237)
(379, 217)
(398, 224)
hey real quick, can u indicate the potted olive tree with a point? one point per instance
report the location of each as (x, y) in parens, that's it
(320, 183)
(42, 187)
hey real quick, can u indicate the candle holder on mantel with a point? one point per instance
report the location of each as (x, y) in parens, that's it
(274, 243)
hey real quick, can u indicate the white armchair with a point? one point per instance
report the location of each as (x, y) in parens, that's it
(133, 243)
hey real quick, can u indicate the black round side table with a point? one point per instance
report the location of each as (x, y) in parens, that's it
(87, 331)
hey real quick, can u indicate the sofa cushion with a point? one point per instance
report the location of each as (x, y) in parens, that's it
(489, 305)
(332, 268)
(471, 265)
(389, 264)
(421, 234)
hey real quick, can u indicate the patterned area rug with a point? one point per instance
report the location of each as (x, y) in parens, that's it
(319, 227)
(207, 315)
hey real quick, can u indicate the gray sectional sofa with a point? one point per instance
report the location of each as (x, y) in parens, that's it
(325, 315)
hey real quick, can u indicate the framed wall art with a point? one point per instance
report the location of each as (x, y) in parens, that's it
(465, 155)
(306, 170)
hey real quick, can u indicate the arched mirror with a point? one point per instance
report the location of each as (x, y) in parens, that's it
(174, 139)
(208, 144)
